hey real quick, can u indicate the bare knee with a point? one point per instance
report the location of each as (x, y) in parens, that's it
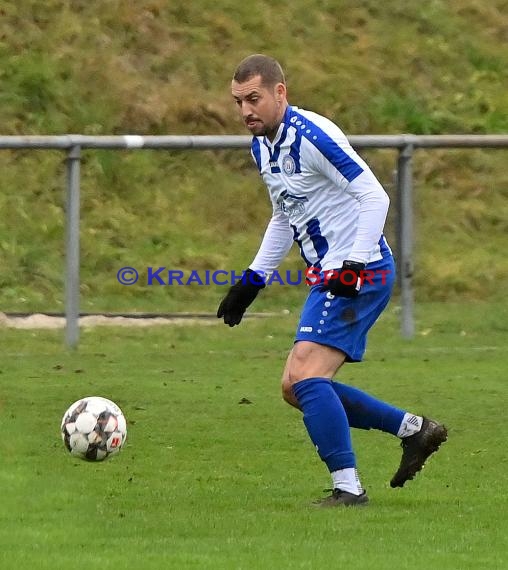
(308, 360)
(300, 365)
(287, 393)
(311, 360)
(286, 386)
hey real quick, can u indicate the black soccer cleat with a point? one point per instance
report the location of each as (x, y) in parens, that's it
(340, 498)
(416, 449)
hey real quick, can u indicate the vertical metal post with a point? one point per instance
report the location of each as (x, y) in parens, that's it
(72, 248)
(405, 238)
(396, 248)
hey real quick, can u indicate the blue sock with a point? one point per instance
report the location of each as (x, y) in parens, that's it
(326, 422)
(366, 412)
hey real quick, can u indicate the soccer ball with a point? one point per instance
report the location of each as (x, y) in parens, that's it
(93, 428)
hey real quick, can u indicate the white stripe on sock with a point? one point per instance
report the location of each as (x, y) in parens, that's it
(410, 425)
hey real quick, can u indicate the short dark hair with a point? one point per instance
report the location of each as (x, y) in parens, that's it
(266, 67)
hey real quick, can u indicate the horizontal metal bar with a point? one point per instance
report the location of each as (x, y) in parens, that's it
(204, 142)
(461, 141)
(428, 141)
(125, 142)
(48, 142)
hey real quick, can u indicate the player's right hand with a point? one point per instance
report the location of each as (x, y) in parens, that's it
(345, 282)
(239, 297)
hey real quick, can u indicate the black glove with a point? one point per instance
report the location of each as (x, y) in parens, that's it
(239, 297)
(344, 282)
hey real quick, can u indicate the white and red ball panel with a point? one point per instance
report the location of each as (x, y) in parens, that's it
(94, 428)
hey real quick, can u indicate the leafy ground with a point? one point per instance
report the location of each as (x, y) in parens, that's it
(208, 482)
(158, 67)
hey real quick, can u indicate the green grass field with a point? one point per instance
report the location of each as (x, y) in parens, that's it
(207, 482)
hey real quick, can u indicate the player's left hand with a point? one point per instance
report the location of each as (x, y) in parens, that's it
(346, 281)
(239, 297)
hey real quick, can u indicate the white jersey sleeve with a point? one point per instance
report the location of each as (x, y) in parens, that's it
(276, 244)
(373, 201)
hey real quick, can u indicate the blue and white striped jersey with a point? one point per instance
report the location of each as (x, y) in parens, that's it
(324, 196)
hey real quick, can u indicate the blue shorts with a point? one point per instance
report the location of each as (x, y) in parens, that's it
(341, 322)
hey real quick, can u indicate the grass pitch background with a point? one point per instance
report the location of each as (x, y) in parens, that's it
(164, 68)
(207, 482)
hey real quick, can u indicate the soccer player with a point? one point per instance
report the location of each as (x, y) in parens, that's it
(327, 200)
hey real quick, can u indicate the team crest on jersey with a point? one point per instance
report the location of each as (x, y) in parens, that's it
(288, 164)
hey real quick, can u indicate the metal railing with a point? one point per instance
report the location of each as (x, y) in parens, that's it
(405, 144)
